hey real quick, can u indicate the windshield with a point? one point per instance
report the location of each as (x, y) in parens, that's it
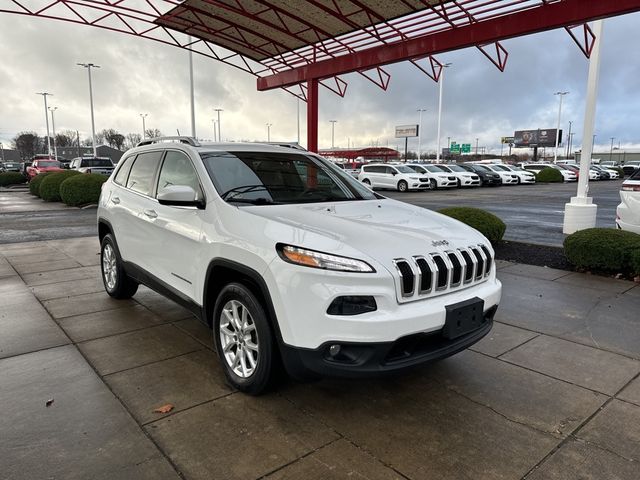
(456, 168)
(482, 168)
(48, 163)
(501, 168)
(261, 178)
(96, 162)
(435, 169)
(405, 169)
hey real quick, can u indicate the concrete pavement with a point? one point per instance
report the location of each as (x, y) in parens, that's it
(552, 393)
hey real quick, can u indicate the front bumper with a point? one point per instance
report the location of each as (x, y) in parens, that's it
(373, 359)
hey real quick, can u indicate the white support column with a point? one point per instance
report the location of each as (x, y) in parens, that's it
(191, 92)
(580, 212)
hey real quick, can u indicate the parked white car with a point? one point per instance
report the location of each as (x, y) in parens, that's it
(291, 261)
(438, 178)
(465, 177)
(567, 174)
(507, 176)
(613, 174)
(628, 212)
(394, 177)
(523, 175)
(91, 164)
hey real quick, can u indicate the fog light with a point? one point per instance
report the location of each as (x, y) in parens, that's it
(334, 350)
(352, 305)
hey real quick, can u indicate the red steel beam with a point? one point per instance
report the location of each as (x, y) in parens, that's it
(312, 115)
(526, 22)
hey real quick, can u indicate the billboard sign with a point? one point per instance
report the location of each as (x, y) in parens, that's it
(404, 131)
(536, 138)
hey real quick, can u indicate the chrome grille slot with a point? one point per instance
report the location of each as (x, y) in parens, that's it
(480, 258)
(407, 277)
(456, 271)
(489, 259)
(470, 266)
(442, 275)
(425, 282)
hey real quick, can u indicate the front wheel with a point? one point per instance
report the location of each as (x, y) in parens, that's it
(366, 182)
(403, 186)
(116, 282)
(433, 184)
(243, 339)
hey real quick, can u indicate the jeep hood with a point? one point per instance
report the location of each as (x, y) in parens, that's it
(381, 229)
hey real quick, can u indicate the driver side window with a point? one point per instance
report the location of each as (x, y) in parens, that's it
(177, 169)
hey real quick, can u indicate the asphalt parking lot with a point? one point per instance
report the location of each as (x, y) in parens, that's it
(552, 393)
(533, 213)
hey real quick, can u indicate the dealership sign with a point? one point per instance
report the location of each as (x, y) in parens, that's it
(404, 131)
(507, 140)
(536, 138)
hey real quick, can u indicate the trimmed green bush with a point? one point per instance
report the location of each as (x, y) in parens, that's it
(486, 223)
(50, 186)
(82, 189)
(605, 249)
(550, 175)
(11, 178)
(34, 184)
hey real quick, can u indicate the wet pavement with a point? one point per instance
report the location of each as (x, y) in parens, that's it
(553, 392)
(532, 213)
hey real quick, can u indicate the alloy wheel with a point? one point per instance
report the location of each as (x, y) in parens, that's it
(109, 269)
(239, 339)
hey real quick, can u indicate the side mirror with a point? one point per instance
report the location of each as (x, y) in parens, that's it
(394, 173)
(179, 196)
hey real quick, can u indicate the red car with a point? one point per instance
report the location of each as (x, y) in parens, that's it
(41, 165)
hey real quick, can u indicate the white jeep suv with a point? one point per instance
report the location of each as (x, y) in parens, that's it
(291, 261)
(396, 177)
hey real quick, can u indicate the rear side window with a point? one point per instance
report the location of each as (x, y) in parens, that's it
(123, 171)
(142, 172)
(177, 169)
(635, 175)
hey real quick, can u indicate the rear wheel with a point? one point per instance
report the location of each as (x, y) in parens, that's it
(244, 341)
(403, 186)
(116, 282)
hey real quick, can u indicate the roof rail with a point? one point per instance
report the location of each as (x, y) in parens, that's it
(181, 139)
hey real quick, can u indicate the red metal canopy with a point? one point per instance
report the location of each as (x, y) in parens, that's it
(299, 44)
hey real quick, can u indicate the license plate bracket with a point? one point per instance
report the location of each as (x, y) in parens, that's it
(463, 317)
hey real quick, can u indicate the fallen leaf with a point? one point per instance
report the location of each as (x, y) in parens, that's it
(164, 409)
(48, 403)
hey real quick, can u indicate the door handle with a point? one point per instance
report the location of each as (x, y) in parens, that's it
(151, 213)
(115, 200)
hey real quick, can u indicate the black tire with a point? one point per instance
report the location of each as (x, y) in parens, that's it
(122, 286)
(519, 181)
(433, 183)
(403, 186)
(262, 377)
(458, 183)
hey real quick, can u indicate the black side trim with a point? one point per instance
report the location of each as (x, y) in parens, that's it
(142, 276)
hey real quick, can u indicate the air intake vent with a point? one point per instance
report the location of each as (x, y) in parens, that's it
(468, 271)
(407, 277)
(426, 275)
(443, 272)
(480, 259)
(456, 276)
(488, 255)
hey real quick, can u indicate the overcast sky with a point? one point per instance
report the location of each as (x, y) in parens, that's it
(139, 75)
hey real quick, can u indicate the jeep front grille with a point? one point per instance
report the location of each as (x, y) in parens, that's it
(437, 273)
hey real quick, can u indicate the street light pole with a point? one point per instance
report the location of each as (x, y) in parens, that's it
(2, 150)
(333, 127)
(53, 125)
(89, 66)
(218, 110)
(420, 110)
(144, 126)
(215, 132)
(46, 117)
(477, 145)
(298, 118)
(610, 150)
(269, 132)
(441, 82)
(192, 91)
(569, 139)
(555, 152)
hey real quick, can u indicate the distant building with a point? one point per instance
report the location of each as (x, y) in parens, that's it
(383, 154)
(69, 153)
(10, 155)
(618, 155)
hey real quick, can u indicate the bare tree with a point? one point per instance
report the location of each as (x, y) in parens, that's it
(27, 143)
(66, 138)
(153, 133)
(132, 139)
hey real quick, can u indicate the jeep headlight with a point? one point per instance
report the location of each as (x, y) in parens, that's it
(326, 261)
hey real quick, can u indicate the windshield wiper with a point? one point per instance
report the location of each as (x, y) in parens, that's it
(254, 201)
(242, 189)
